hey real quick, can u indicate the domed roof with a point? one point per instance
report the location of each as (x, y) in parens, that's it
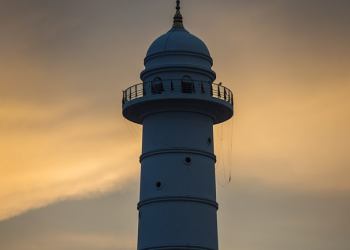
(178, 39)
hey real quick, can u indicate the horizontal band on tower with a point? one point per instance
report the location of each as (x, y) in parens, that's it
(178, 151)
(177, 247)
(177, 52)
(178, 198)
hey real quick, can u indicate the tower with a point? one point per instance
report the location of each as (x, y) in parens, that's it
(177, 103)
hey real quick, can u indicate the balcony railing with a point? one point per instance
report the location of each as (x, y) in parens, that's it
(158, 87)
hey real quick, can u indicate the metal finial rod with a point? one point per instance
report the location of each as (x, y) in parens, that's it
(178, 5)
(178, 23)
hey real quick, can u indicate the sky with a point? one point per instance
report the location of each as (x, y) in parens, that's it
(69, 169)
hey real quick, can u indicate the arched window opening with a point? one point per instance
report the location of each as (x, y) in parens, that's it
(187, 85)
(157, 86)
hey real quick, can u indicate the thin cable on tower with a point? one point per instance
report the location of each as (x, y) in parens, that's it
(134, 133)
(225, 152)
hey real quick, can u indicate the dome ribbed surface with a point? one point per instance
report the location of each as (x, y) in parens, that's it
(178, 39)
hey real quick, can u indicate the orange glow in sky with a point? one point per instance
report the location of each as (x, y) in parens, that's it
(64, 64)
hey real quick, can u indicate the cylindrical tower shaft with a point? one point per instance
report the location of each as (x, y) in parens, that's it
(177, 199)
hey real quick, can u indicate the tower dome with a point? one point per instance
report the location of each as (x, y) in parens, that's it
(176, 40)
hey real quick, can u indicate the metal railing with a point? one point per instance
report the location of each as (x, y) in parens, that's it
(158, 87)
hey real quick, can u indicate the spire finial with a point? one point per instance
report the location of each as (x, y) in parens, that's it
(178, 23)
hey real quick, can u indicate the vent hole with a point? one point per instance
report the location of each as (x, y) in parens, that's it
(158, 184)
(209, 140)
(188, 160)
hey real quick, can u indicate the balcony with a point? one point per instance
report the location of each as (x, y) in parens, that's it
(193, 87)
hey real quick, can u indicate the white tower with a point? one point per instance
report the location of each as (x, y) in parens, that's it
(177, 103)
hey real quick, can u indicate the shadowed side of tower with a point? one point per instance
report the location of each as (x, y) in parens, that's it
(177, 103)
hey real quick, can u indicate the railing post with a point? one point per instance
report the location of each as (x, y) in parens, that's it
(172, 86)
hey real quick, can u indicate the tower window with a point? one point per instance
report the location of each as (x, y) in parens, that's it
(157, 86)
(187, 85)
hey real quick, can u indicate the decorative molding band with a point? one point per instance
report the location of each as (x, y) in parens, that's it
(149, 71)
(177, 151)
(175, 52)
(177, 247)
(178, 198)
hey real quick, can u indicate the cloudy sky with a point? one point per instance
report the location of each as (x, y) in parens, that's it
(69, 167)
